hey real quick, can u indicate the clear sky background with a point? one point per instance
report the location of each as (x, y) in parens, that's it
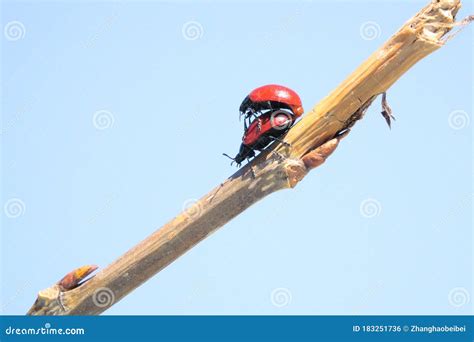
(116, 114)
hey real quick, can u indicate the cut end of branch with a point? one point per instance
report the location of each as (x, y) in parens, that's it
(420, 36)
(435, 20)
(48, 302)
(51, 301)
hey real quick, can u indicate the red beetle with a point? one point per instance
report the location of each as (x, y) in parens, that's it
(269, 112)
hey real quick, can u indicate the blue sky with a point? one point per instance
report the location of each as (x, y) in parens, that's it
(114, 115)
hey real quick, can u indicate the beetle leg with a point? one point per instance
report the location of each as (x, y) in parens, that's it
(281, 141)
(252, 172)
(279, 155)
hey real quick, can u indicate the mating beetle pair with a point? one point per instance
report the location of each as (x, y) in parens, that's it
(269, 112)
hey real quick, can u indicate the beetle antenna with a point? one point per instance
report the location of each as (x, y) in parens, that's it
(226, 155)
(233, 159)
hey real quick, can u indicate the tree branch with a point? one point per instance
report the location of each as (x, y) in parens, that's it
(312, 140)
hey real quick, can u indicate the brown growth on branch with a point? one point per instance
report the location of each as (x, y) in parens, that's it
(312, 140)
